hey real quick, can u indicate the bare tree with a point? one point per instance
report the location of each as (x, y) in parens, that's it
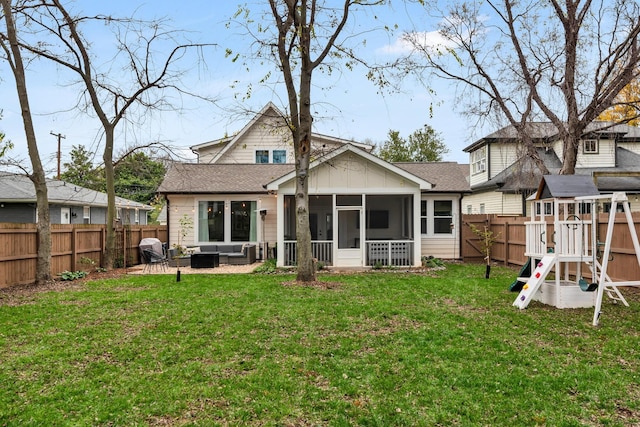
(306, 36)
(141, 84)
(13, 55)
(560, 61)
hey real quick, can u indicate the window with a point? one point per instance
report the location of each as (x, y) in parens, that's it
(243, 222)
(137, 216)
(86, 212)
(481, 208)
(469, 209)
(479, 160)
(423, 217)
(279, 156)
(590, 146)
(211, 221)
(442, 216)
(262, 156)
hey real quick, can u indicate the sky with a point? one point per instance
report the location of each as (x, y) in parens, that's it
(349, 106)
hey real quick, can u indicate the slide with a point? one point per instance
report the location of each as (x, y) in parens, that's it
(533, 284)
(525, 271)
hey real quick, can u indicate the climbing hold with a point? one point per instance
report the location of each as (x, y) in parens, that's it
(537, 275)
(539, 264)
(526, 286)
(522, 298)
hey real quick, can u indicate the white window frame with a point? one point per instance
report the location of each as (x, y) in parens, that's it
(273, 159)
(590, 146)
(479, 160)
(86, 212)
(430, 216)
(262, 154)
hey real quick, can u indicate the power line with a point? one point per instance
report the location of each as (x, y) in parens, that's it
(59, 136)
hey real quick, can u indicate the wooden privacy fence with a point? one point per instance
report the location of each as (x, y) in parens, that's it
(510, 244)
(73, 247)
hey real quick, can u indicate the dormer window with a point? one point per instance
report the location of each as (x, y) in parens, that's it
(590, 146)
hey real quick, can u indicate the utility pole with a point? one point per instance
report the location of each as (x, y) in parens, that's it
(59, 136)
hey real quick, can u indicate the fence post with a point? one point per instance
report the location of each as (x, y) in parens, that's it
(506, 243)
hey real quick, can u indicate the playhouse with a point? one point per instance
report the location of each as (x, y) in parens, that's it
(568, 262)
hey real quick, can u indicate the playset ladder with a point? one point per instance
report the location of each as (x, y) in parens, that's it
(537, 278)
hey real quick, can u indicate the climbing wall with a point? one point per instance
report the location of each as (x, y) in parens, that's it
(533, 284)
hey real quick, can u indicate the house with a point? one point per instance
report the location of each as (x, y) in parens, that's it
(68, 203)
(363, 211)
(502, 176)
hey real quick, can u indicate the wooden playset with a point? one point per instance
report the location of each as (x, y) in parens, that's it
(562, 234)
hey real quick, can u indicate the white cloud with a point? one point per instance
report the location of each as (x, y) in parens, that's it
(427, 40)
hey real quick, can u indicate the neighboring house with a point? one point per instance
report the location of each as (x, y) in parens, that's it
(502, 176)
(362, 209)
(68, 203)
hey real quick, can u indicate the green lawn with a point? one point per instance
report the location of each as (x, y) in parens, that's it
(372, 349)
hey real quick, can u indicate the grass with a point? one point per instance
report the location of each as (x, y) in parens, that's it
(374, 349)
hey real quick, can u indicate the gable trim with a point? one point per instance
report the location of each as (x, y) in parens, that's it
(424, 185)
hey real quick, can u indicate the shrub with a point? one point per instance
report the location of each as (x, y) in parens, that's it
(73, 275)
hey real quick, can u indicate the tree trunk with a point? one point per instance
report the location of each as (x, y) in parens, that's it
(43, 263)
(107, 157)
(306, 266)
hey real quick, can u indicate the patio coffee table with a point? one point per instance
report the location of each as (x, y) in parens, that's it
(205, 260)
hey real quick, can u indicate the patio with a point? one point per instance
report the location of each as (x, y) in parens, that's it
(222, 269)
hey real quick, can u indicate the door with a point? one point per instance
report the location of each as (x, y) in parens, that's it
(349, 238)
(65, 215)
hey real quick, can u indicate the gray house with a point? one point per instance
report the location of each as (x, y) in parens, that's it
(68, 203)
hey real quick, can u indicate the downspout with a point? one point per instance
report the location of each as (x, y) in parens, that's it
(168, 223)
(460, 222)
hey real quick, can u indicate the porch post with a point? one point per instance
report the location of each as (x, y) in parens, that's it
(280, 229)
(417, 236)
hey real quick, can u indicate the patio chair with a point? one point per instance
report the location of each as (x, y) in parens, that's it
(153, 259)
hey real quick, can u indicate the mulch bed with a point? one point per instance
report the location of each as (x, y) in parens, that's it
(19, 292)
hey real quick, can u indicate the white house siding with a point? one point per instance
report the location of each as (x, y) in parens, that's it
(264, 135)
(188, 205)
(501, 156)
(494, 203)
(441, 245)
(207, 154)
(478, 178)
(269, 137)
(353, 173)
(606, 156)
(180, 205)
(444, 248)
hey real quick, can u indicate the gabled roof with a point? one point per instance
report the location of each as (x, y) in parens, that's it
(19, 189)
(565, 186)
(545, 131)
(446, 177)
(271, 111)
(424, 185)
(221, 178)
(538, 131)
(225, 178)
(523, 176)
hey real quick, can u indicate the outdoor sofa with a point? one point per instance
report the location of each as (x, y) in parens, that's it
(229, 254)
(233, 254)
